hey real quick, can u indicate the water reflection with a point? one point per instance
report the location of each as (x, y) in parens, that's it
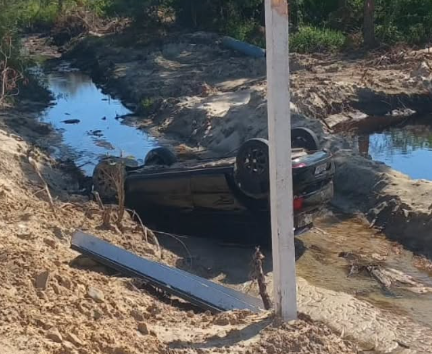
(100, 130)
(407, 149)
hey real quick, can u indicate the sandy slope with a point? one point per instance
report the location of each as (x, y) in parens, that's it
(84, 308)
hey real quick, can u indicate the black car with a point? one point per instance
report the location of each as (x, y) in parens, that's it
(227, 197)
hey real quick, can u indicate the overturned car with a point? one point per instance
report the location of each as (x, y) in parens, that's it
(226, 197)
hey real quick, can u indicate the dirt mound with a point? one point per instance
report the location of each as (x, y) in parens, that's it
(191, 86)
(302, 337)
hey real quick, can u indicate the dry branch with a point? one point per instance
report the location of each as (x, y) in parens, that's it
(115, 173)
(45, 185)
(258, 275)
(146, 231)
(9, 77)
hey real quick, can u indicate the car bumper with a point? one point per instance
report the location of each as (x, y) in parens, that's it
(312, 204)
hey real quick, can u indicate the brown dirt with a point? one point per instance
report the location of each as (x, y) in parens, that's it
(192, 87)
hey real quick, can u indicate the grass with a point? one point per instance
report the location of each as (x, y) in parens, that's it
(311, 39)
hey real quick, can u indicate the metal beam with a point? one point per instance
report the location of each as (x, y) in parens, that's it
(199, 291)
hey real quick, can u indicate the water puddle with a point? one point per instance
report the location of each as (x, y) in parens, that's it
(407, 149)
(323, 266)
(88, 120)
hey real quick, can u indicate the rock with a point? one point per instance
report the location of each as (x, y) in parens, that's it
(96, 294)
(56, 288)
(142, 328)
(43, 324)
(222, 320)
(42, 279)
(378, 257)
(65, 282)
(50, 242)
(74, 339)
(97, 314)
(153, 309)
(58, 232)
(137, 315)
(41, 295)
(333, 68)
(55, 335)
(68, 348)
(23, 232)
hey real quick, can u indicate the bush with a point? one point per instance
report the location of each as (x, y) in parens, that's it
(311, 39)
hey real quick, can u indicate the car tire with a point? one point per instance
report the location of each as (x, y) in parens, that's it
(252, 169)
(160, 157)
(102, 183)
(304, 138)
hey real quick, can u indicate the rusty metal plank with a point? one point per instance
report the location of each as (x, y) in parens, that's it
(199, 291)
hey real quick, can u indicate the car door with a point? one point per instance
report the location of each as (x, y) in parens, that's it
(210, 190)
(169, 190)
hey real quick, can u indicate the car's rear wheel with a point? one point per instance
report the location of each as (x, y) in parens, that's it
(252, 168)
(160, 157)
(106, 172)
(304, 138)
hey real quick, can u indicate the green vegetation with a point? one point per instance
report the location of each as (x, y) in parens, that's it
(316, 25)
(146, 104)
(311, 39)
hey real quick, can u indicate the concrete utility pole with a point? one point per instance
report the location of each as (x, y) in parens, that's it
(279, 130)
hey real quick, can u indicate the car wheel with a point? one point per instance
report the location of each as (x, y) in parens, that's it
(160, 157)
(252, 168)
(104, 174)
(304, 138)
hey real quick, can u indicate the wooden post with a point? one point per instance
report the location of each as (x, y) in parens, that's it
(279, 130)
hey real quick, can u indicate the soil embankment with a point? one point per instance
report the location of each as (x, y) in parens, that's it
(56, 302)
(193, 89)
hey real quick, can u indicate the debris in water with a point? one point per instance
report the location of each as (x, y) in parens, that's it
(71, 121)
(104, 144)
(97, 133)
(104, 118)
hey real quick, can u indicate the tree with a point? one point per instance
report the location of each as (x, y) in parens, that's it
(369, 23)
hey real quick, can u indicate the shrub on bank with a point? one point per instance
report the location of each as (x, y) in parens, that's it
(311, 39)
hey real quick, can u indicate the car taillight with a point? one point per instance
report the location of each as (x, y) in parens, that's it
(298, 203)
(300, 165)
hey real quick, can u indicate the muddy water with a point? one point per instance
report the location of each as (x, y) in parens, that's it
(97, 128)
(322, 265)
(407, 149)
(319, 263)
